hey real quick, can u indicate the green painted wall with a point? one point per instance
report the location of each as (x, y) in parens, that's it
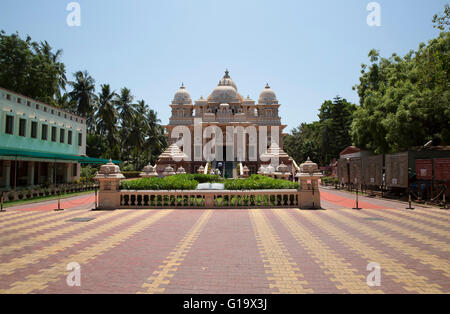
(27, 110)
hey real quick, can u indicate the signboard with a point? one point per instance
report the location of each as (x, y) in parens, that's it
(442, 169)
(373, 174)
(424, 169)
(397, 170)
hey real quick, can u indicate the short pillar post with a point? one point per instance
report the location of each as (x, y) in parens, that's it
(309, 193)
(109, 177)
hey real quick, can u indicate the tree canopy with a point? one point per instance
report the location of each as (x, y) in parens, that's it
(404, 102)
(117, 126)
(323, 140)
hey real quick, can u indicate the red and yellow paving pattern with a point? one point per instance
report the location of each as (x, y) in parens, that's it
(226, 251)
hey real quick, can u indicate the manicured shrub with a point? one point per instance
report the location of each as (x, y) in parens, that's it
(259, 182)
(191, 181)
(179, 182)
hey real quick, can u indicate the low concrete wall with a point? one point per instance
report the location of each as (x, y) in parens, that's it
(223, 199)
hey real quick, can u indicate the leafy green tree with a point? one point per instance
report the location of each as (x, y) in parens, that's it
(303, 142)
(404, 101)
(442, 22)
(323, 140)
(29, 68)
(335, 120)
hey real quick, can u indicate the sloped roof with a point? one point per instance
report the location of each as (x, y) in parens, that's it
(274, 151)
(173, 153)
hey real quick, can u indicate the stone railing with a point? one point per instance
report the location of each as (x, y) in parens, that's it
(111, 197)
(126, 199)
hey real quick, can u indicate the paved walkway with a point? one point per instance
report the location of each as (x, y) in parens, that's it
(226, 251)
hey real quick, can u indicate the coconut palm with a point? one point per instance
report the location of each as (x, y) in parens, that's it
(106, 116)
(45, 49)
(83, 93)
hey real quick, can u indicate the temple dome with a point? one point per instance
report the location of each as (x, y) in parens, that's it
(225, 92)
(227, 81)
(182, 97)
(267, 96)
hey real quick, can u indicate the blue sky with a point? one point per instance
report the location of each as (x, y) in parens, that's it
(308, 51)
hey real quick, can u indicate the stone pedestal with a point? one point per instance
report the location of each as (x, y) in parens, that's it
(109, 178)
(308, 178)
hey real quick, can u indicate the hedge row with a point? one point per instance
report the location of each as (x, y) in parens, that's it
(259, 182)
(190, 182)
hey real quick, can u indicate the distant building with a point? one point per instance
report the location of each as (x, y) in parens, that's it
(39, 144)
(225, 107)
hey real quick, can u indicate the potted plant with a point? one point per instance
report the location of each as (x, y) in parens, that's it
(11, 196)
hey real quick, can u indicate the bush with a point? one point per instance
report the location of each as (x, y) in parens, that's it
(259, 182)
(179, 182)
(204, 178)
(11, 196)
(191, 181)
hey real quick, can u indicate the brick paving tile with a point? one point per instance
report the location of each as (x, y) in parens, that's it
(227, 251)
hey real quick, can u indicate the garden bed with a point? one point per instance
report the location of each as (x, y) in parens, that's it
(187, 182)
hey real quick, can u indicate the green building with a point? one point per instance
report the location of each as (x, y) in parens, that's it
(39, 143)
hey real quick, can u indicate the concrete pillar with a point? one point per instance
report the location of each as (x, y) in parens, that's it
(30, 173)
(68, 173)
(78, 165)
(50, 172)
(7, 172)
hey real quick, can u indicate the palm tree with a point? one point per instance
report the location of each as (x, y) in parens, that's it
(127, 112)
(124, 103)
(156, 141)
(83, 93)
(45, 49)
(139, 129)
(63, 101)
(106, 116)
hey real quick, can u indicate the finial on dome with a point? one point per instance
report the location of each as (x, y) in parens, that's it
(227, 74)
(267, 86)
(182, 85)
